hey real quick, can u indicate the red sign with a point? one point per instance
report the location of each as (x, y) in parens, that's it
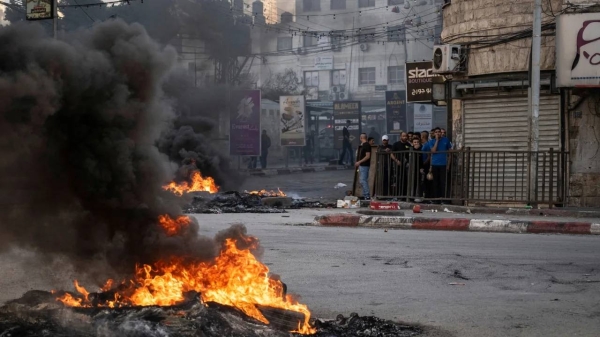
(384, 206)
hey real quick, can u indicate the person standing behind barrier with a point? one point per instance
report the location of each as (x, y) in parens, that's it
(440, 164)
(346, 145)
(384, 157)
(418, 172)
(363, 164)
(401, 159)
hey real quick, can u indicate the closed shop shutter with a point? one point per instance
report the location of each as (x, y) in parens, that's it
(502, 124)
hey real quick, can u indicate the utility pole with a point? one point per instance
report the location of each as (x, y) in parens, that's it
(535, 91)
(55, 15)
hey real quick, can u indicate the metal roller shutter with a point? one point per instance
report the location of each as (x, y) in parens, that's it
(502, 124)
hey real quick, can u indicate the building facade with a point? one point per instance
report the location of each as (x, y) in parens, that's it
(490, 107)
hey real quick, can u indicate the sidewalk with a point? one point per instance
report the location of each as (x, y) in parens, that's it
(435, 220)
(569, 212)
(281, 169)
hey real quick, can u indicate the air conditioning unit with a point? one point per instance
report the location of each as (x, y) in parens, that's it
(338, 93)
(336, 47)
(301, 51)
(364, 47)
(447, 58)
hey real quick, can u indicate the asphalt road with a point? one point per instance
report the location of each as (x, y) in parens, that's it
(314, 185)
(508, 284)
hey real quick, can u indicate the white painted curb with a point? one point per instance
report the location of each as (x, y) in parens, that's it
(504, 226)
(595, 229)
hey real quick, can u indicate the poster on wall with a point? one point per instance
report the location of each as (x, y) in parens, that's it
(39, 9)
(423, 117)
(346, 114)
(578, 50)
(419, 82)
(395, 108)
(293, 121)
(244, 123)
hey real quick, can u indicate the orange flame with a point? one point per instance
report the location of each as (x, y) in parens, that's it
(235, 278)
(265, 193)
(173, 226)
(199, 184)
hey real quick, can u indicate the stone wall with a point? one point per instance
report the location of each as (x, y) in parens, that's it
(466, 21)
(584, 148)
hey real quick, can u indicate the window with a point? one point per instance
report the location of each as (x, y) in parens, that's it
(284, 43)
(366, 35)
(336, 40)
(311, 79)
(395, 33)
(338, 77)
(396, 75)
(365, 3)
(264, 112)
(309, 40)
(395, 2)
(338, 4)
(366, 76)
(271, 113)
(311, 5)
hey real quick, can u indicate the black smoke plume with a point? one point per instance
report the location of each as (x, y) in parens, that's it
(88, 137)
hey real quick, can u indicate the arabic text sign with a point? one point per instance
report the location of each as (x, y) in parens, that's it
(419, 82)
(395, 108)
(423, 117)
(293, 119)
(324, 62)
(244, 123)
(344, 111)
(39, 9)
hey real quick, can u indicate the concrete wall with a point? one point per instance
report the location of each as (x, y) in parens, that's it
(472, 20)
(584, 143)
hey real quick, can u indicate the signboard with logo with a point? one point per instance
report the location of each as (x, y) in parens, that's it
(423, 117)
(395, 108)
(39, 9)
(578, 50)
(244, 123)
(419, 82)
(346, 114)
(293, 119)
(324, 62)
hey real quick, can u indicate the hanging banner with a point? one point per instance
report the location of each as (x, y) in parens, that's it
(423, 117)
(419, 82)
(395, 109)
(244, 123)
(39, 9)
(293, 121)
(346, 114)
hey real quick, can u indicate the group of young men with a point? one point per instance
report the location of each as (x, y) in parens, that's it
(411, 158)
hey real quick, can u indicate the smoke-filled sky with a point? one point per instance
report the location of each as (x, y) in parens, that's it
(88, 137)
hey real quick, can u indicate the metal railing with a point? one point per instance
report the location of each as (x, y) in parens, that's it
(473, 176)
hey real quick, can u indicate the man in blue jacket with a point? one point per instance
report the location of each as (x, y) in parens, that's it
(440, 164)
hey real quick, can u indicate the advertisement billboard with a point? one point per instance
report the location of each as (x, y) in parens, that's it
(346, 114)
(395, 109)
(419, 82)
(578, 50)
(244, 123)
(39, 9)
(293, 121)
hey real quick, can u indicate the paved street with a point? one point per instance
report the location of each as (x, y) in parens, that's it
(514, 285)
(307, 185)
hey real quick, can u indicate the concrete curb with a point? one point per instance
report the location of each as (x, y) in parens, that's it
(472, 225)
(274, 172)
(567, 213)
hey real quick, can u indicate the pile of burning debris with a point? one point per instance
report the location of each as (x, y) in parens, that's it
(38, 313)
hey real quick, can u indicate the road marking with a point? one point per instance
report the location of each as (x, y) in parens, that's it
(595, 229)
(497, 226)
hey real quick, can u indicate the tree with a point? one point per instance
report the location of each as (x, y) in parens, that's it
(281, 84)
